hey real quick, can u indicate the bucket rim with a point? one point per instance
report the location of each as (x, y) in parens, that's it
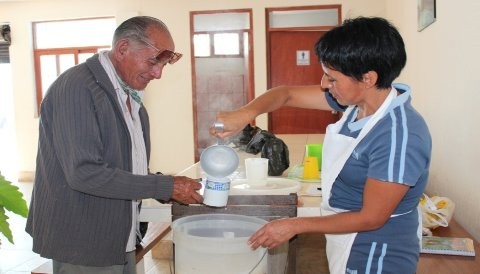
(218, 216)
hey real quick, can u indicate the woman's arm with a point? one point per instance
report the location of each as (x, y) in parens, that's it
(310, 97)
(379, 202)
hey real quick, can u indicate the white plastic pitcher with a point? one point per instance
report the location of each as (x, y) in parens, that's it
(219, 160)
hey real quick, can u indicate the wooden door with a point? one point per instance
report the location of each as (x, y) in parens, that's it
(285, 68)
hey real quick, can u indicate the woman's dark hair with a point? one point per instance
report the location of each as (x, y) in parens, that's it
(361, 45)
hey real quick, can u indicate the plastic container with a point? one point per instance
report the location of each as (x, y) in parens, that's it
(314, 150)
(219, 160)
(256, 171)
(217, 244)
(216, 191)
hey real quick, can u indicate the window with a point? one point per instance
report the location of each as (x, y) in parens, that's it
(5, 41)
(226, 43)
(60, 45)
(202, 45)
(218, 44)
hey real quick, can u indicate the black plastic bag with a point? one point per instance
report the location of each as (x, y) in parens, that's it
(242, 139)
(276, 151)
(272, 148)
(256, 143)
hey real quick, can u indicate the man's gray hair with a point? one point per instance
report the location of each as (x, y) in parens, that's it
(135, 28)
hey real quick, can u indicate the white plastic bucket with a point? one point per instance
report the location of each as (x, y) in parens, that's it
(217, 244)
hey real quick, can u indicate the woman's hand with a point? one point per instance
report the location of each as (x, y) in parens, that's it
(233, 122)
(273, 234)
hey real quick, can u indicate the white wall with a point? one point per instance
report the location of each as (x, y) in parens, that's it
(442, 69)
(442, 61)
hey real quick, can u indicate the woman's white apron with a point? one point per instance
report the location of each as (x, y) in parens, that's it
(337, 148)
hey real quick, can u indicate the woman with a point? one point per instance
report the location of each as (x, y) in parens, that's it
(375, 159)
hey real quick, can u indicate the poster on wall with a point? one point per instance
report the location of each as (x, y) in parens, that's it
(426, 13)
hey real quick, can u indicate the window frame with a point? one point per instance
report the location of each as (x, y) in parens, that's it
(38, 53)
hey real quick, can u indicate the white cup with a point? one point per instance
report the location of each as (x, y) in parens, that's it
(256, 171)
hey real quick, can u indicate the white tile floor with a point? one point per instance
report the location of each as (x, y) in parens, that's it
(19, 258)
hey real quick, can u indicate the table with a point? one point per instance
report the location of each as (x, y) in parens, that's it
(448, 264)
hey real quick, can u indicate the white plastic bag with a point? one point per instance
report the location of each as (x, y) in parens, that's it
(436, 211)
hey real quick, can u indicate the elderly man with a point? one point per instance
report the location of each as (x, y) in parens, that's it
(93, 153)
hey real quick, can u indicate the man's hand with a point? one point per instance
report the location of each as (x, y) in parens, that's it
(185, 190)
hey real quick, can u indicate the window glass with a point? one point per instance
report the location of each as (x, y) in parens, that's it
(65, 62)
(226, 44)
(82, 57)
(48, 66)
(74, 33)
(201, 45)
(245, 43)
(303, 18)
(221, 21)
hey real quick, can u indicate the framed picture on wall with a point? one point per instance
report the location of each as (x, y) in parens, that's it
(426, 13)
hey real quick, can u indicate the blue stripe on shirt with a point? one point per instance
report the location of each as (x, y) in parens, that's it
(380, 260)
(370, 257)
(401, 171)
(393, 145)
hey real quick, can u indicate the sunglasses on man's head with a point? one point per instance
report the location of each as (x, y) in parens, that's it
(163, 57)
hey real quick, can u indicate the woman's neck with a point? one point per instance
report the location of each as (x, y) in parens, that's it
(372, 102)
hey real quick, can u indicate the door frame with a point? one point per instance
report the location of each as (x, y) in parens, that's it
(250, 91)
(270, 29)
